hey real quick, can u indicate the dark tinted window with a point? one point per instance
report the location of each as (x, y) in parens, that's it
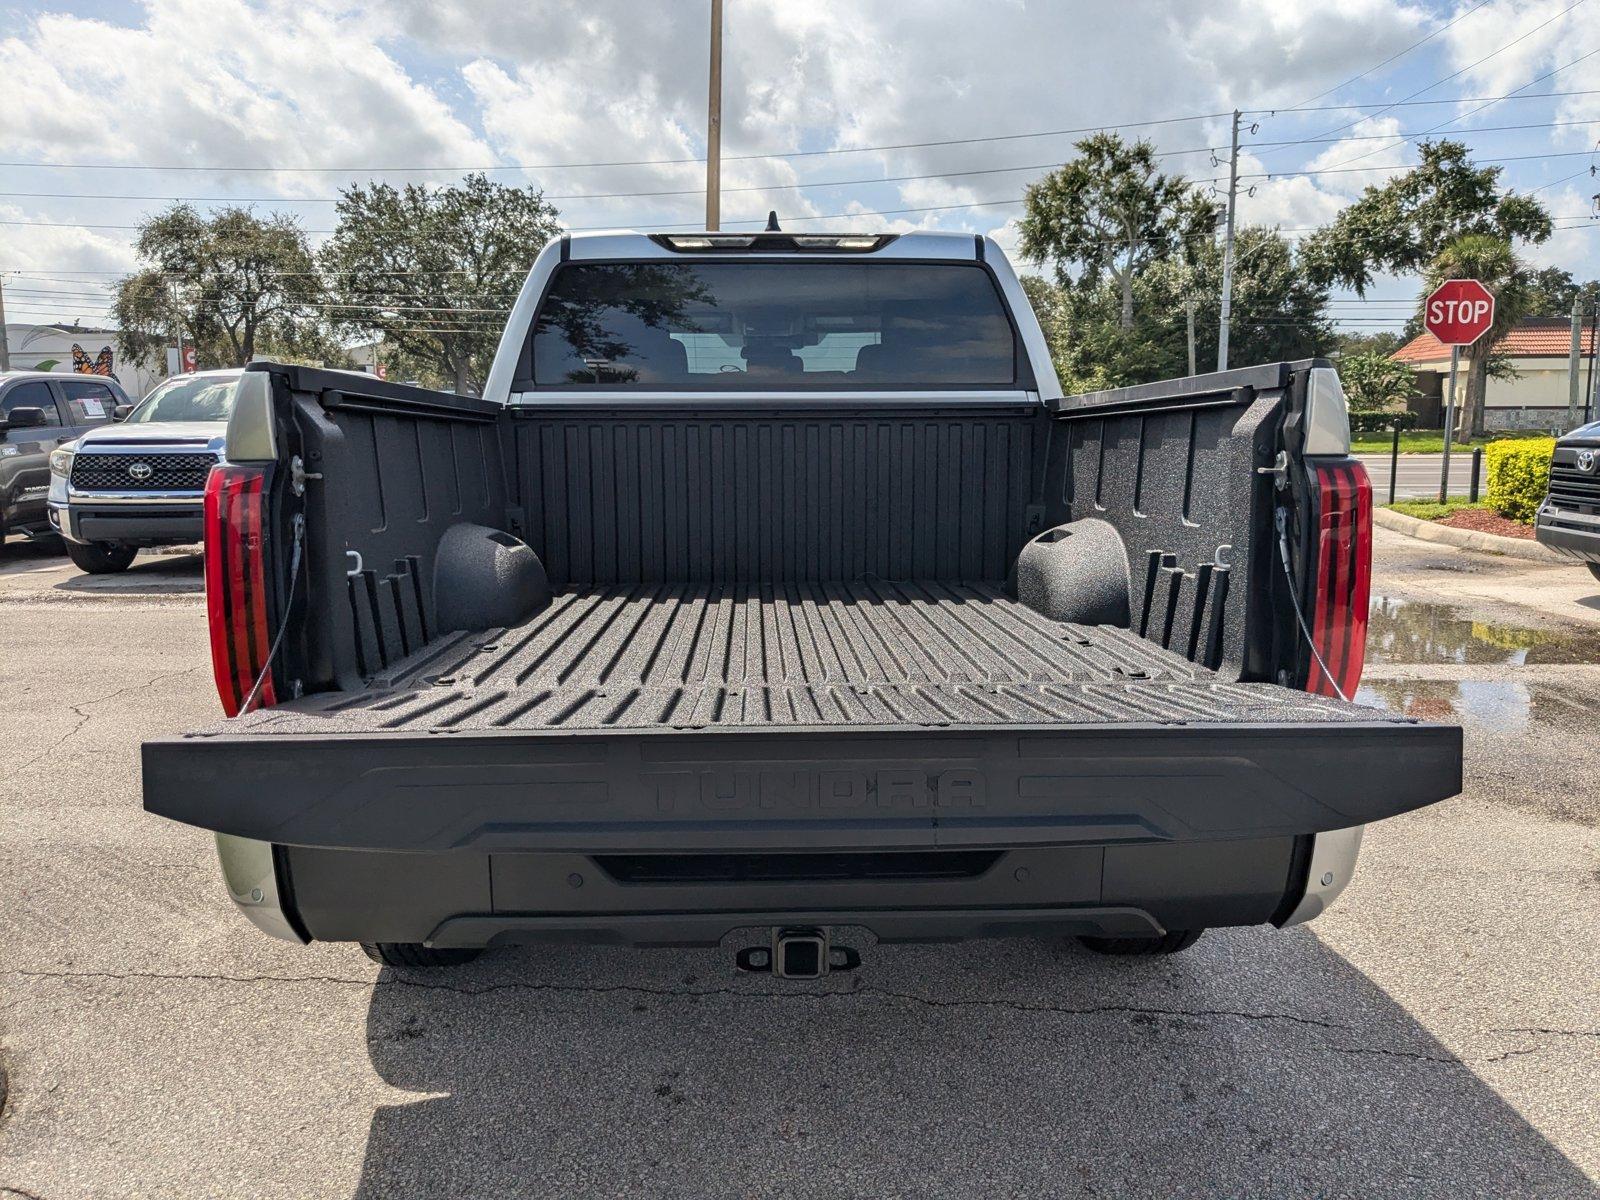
(773, 325)
(32, 395)
(89, 401)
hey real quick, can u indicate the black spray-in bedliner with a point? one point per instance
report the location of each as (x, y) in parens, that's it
(880, 653)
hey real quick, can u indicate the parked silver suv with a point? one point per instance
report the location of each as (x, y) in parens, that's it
(141, 481)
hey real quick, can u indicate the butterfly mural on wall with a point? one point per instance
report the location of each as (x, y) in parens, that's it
(101, 364)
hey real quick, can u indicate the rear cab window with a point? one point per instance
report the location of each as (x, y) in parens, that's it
(775, 325)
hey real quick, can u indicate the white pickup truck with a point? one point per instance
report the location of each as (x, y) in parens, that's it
(141, 482)
(774, 583)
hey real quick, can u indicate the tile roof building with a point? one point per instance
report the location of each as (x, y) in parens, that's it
(1539, 350)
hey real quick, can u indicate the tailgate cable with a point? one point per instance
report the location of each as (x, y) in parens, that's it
(1281, 520)
(294, 574)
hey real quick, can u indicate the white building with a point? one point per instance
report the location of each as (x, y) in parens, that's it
(1540, 351)
(76, 347)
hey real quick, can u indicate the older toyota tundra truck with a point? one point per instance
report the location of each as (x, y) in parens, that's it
(773, 584)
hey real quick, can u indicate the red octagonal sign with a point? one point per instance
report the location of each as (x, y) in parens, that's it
(1459, 312)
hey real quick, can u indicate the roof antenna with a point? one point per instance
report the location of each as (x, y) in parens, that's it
(772, 222)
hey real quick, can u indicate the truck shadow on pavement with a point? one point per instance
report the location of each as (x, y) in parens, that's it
(1259, 1063)
(150, 575)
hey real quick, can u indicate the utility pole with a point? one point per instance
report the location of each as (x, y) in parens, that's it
(714, 124)
(1574, 358)
(5, 346)
(1227, 248)
(1189, 304)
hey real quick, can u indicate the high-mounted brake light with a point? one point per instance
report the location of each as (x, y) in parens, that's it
(1343, 579)
(813, 242)
(708, 242)
(776, 243)
(237, 595)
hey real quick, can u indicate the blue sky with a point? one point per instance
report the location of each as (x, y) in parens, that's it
(280, 102)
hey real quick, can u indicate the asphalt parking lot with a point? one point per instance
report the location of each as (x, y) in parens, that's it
(1437, 1033)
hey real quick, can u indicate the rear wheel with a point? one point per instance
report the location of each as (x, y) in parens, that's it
(1168, 943)
(1594, 569)
(101, 558)
(414, 954)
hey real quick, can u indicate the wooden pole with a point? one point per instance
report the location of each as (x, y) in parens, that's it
(714, 124)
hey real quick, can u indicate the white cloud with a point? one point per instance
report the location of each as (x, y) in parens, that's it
(281, 83)
(461, 82)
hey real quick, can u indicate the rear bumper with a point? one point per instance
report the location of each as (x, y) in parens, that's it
(801, 789)
(1574, 534)
(468, 899)
(129, 524)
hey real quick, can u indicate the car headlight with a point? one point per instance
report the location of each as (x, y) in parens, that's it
(61, 461)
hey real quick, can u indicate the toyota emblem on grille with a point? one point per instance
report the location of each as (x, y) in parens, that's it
(1585, 460)
(140, 470)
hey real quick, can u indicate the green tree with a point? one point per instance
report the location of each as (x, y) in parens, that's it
(1492, 262)
(1445, 218)
(1401, 226)
(1383, 342)
(1374, 382)
(1552, 293)
(1277, 314)
(234, 284)
(432, 271)
(1108, 214)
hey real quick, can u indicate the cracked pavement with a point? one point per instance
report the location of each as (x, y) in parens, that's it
(1437, 1033)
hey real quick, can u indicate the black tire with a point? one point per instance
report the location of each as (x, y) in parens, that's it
(1168, 943)
(413, 954)
(101, 558)
(1594, 569)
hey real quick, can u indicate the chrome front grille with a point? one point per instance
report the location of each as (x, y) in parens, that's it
(165, 472)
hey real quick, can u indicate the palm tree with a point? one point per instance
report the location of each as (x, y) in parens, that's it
(1492, 262)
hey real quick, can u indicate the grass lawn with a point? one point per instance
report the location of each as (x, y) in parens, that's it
(1422, 441)
(1432, 510)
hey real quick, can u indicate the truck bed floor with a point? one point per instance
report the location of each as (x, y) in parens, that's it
(692, 656)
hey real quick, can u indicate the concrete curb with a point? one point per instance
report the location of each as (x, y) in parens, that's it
(1468, 539)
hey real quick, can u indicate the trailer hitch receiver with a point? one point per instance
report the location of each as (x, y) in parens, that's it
(798, 953)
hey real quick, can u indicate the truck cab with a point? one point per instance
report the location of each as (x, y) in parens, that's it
(774, 583)
(41, 411)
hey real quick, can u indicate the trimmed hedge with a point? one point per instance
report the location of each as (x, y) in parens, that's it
(1518, 475)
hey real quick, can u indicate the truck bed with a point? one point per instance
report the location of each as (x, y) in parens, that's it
(870, 714)
(699, 656)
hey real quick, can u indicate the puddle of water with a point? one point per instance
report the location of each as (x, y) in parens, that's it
(1498, 706)
(1407, 632)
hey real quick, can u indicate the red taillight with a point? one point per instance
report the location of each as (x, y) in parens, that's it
(1344, 578)
(237, 601)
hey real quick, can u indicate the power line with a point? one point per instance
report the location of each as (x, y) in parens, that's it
(1411, 166)
(1369, 137)
(1479, 109)
(689, 161)
(1393, 57)
(637, 162)
(765, 187)
(857, 183)
(1454, 74)
(1274, 112)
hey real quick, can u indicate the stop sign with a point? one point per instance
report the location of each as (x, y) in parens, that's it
(1459, 312)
